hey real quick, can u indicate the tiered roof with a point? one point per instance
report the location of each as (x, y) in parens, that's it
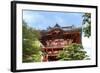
(58, 27)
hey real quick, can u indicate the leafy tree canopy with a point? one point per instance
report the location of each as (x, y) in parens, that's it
(72, 52)
(31, 44)
(87, 23)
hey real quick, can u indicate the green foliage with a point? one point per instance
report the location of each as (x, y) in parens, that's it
(87, 22)
(31, 44)
(36, 57)
(87, 31)
(73, 52)
(30, 33)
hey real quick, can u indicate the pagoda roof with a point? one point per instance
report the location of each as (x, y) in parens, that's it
(64, 29)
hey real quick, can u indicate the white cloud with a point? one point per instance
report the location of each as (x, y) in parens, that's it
(34, 19)
(59, 20)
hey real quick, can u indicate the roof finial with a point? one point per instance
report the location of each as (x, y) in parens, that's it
(57, 25)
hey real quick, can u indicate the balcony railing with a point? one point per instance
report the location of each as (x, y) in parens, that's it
(58, 43)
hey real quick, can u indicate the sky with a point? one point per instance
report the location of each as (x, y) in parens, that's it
(43, 19)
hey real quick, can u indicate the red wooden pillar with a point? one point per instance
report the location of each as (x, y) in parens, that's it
(45, 57)
(52, 51)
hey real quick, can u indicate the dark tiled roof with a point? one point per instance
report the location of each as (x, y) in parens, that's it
(65, 29)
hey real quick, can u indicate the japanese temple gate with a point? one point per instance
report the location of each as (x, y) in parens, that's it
(56, 38)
